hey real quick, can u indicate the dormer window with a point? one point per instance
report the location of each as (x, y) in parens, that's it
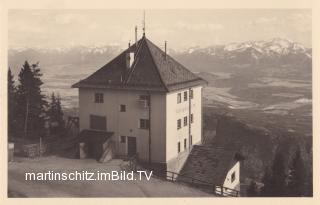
(129, 59)
(98, 97)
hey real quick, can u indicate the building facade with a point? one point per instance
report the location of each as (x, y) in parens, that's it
(148, 104)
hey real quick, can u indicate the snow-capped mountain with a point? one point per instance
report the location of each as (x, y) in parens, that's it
(275, 52)
(75, 55)
(272, 52)
(276, 47)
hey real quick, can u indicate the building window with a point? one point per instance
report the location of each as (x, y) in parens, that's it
(178, 147)
(190, 139)
(145, 98)
(191, 94)
(185, 144)
(122, 108)
(179, 124)
(98, 122)
(185, 121)
(122, 139)
(98, 97)
(144, 124)
(179, 98)
(191, 118)
(185, 96)
(233, 177)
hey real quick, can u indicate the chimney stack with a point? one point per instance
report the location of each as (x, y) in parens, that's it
(165, 49)
(136, 34)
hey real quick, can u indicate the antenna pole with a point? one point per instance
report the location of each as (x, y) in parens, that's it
(165, 50)
(144, 23)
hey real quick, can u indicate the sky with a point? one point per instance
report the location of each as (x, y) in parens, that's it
(180, 28)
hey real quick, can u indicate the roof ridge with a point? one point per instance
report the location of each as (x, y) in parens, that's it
(138, 49)
(157, 69)
(175, 61)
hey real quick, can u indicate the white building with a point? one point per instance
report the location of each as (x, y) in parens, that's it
(144, 103)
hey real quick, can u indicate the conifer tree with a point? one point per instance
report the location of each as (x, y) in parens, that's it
(30, 102)
(12, 106)
(266, 180)
(55, 115)
(296, 176)
(278, 180)
(275, 181)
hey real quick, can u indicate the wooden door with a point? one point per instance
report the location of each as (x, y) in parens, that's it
(132, 146)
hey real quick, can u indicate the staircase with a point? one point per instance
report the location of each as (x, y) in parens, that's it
(107, 154)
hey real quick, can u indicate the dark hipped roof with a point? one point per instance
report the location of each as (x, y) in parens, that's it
(151, 70)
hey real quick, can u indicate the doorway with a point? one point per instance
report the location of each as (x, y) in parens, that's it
(132, 146)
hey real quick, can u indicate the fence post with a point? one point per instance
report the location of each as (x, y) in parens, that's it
(40, 147)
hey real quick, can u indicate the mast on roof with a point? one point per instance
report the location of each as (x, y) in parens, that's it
(165, 49)
(144, 23)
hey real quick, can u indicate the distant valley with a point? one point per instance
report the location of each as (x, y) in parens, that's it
(268, 83)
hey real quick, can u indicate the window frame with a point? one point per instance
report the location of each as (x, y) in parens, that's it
(98, 97)
(179, 147)
(144, 124)
(185, 143)
(123, 139)
(146, 98)
(179, 100)
(185, 96)
(191, 94)
(185, 121)
(191, 118)
(123, 106)
(179, 124)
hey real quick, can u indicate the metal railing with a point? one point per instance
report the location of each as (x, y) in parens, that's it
(215, 189)
(182, 178)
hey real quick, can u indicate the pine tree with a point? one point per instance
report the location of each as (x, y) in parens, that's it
(252, 190)
(278, 179)
(30, 101)
(12, 106)
(297, 176)
(275, 179)
(266, 180)
(55, 115)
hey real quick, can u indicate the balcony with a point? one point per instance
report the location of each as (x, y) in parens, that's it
(143, 103)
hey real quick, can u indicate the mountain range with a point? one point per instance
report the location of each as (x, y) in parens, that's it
(275, 52)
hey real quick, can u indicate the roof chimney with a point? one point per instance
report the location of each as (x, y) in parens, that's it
(129, 44)
(165, 49)
(136, 34)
